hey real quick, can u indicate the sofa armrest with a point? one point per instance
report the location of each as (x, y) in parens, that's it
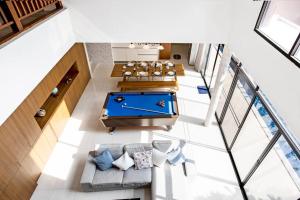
(88, 174)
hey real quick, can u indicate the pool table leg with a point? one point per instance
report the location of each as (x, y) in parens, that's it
(111, 130)
(169, 127)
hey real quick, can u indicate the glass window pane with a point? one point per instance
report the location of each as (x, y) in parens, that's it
(226, 87)
(214, 76)
(239, 104)
(297, 55)
(229, 125)
(281, 22)
(254, 136)
(278, 175)
(210, 63)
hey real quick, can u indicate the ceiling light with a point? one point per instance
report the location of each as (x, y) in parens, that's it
(131, 46)
(160, 47)
(146, 46)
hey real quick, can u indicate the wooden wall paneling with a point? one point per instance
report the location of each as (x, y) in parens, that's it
(63, 66)
(24, 148)
(42, 148)
(50, 135)
(33, 165)
(21, 186)
(72, 96)
(25, 121)
(3, 196)
(13, 141)
(38, 96)
(60, 119)
(8, 169)
(83, 66)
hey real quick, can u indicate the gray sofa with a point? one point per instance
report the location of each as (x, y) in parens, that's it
(167, 181)
(93, 179)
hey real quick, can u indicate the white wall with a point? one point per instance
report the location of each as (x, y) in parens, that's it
(121, 52)
(26, 60)
(277, 77)
(151, 21)
(193, 53)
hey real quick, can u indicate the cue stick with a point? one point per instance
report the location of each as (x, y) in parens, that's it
(143, 109)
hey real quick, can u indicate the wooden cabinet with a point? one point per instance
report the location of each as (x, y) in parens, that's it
(21, 186)
(166, 53)
(60, 119)
(8, 169)
(27, 143)
(50, 135)
(12, 141)
(42, 148)
(73, 95)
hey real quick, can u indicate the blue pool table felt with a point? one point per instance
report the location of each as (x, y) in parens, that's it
(137, 100)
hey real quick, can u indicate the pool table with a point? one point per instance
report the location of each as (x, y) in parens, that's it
(139, 109)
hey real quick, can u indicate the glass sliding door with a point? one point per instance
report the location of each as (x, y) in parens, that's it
(238, 106)
(255, 134)
(226, 87)
(212, 64)
(208, 73)
(265, 153)
(278, 175)
(216, 66)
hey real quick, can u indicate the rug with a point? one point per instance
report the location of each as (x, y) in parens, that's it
(202, 89)
(129, 199)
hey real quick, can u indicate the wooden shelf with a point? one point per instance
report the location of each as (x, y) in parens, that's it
(53, 102)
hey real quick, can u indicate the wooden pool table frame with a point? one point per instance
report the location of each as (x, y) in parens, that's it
(129, 121)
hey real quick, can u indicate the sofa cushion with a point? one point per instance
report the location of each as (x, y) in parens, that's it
(88, 174)
(116, 150)
(124, 162)
(137, 178)
(162, 145)
(108, 179)
(137, 147)
(104, 160)
(143, 160)
(158, 157)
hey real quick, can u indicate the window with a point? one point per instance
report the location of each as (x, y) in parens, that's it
(212, 64)
(266, 155)
(297, 55)
(279, 24)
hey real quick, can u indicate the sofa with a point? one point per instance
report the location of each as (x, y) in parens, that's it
(167, 181)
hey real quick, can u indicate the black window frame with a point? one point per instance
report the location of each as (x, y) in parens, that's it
(291, 54)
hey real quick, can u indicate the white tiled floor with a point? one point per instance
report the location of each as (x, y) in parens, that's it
(215, 179)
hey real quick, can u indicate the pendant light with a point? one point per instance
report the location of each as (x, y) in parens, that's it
(160, 47)
(146, 46)
(131, 46)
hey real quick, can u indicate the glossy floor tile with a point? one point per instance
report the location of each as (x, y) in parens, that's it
(214, 178)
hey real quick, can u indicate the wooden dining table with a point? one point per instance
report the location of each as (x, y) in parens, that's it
(138, 74)
(118, 70)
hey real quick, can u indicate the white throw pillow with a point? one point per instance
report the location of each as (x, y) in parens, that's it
(124, 162)
(158, 157)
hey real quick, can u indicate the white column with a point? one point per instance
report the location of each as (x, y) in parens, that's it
(223, 69)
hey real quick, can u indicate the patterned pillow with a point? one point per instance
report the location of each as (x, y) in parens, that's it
(143, 160)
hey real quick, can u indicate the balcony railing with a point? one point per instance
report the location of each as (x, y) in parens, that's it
(18, 15)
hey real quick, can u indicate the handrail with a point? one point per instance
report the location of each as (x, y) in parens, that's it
(17, 15)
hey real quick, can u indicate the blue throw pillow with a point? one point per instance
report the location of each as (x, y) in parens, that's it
(104, 160)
